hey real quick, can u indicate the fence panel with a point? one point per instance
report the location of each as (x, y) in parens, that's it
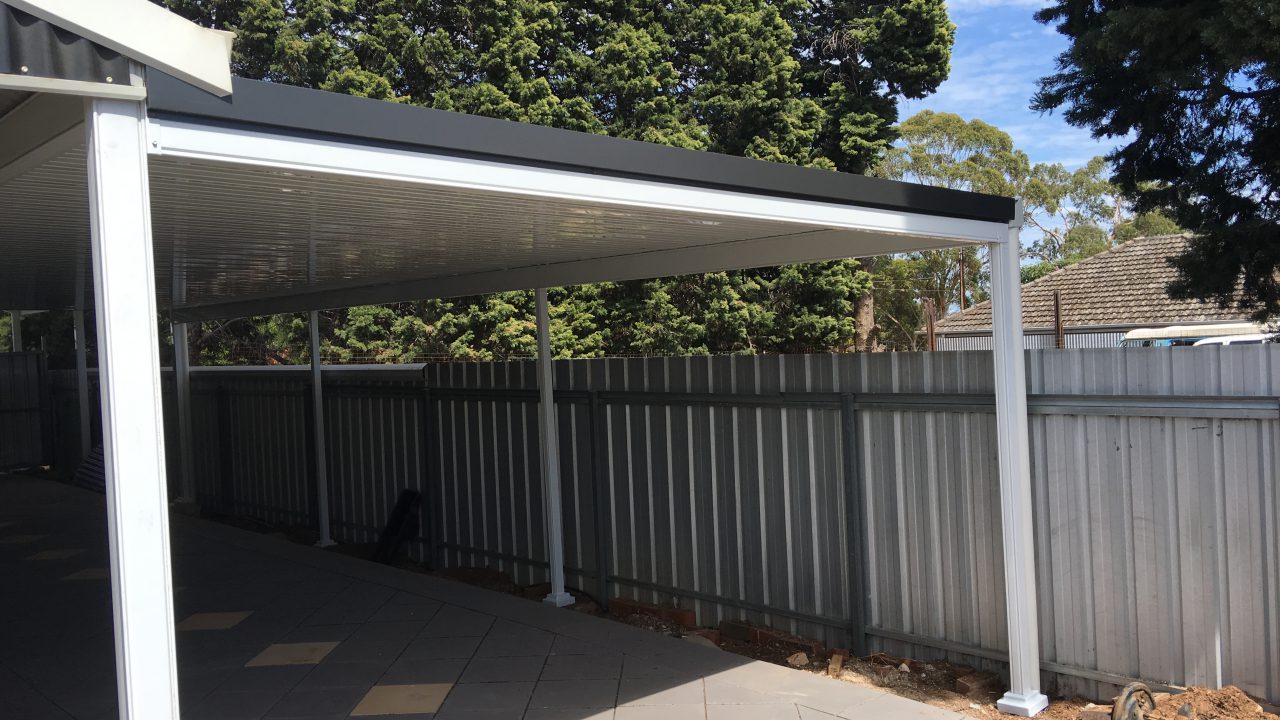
(794, 490)
(24, 410)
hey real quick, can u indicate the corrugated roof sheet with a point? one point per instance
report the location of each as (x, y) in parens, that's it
(1126, 285)
(34, 48)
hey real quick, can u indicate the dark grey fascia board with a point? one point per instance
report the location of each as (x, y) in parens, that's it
(315, 113)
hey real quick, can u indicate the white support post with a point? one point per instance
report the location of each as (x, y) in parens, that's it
(1024, 697)
(550, 444)
(182, 388)
(82, 382)
(133, 429)
(15, 329)
(317, 417)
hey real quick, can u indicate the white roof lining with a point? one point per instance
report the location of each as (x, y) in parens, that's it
(232, 247)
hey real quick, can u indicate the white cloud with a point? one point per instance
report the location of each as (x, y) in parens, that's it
(1000, 53)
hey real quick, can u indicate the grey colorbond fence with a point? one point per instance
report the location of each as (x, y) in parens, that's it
(1035, 339)
(850, 498)
(25, 413)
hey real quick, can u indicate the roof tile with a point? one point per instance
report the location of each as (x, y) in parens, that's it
(1125, 285)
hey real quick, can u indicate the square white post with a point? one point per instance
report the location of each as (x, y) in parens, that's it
(133, 431)
(15, 329)
(1024, 696)
(82, 382)
(182, 389)
(550, 443)
(317, 428)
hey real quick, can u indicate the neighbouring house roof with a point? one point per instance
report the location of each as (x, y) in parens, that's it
(1124, 286)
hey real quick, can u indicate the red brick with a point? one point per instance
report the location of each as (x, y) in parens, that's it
(622, 607)
(679, 616)
(975, 682)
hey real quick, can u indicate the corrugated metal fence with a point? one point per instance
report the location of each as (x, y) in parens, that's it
(849, 498)
(1035, 339)
(24, 410)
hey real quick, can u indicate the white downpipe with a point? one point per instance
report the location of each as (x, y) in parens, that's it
(15, 329)
(182, 386)
(133, 429)
(82, 382)
(1024, 697)
(550, 444)
(317, 415)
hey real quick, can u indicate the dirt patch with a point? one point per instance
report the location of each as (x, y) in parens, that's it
(654, 624)
(1229, 703)
(770, 651)
(485, 577)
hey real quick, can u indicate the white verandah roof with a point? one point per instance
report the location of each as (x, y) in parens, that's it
(269, 202)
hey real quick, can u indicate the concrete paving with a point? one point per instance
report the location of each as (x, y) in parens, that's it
(271, 629)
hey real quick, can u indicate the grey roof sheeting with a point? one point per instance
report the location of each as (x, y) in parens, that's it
(35, 48)
(317, 113)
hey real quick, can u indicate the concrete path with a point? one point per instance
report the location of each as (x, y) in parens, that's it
(271, 629)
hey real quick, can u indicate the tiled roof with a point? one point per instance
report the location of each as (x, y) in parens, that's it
(1125, 285)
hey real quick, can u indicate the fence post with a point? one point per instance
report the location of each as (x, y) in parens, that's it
(48, 449)
(856, 531)
(599, 494)
(226, 495)
(435, 530)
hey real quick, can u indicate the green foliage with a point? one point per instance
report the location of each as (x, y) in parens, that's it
(1067, 209)
(857, 57)
(1147, 224)
(904, 283)
(1037, 270)
(813, 83)
(1070, 216)
(1192, 90)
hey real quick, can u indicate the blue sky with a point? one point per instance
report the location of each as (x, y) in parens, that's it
(999, 54)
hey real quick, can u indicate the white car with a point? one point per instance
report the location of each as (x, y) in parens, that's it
(1250, 339)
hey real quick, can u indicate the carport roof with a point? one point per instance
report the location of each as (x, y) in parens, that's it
(280, 199)
(313, 113)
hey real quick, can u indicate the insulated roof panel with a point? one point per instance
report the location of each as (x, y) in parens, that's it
(44, 234)
(295, 231)
(241, 239)
(283, 199)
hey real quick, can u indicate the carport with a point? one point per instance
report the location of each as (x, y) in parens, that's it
(135, 171)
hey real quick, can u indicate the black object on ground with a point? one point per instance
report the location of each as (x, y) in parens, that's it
(401, 526)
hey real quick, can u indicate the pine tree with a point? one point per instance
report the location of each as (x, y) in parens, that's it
(1191, 91)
